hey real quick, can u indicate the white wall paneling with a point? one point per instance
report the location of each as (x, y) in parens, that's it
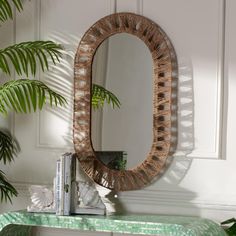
(201, 177)
(193, 70)
(199, 42)
(126, 6)
(68, 32)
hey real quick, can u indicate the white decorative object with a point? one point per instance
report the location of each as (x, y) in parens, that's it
(69, 194)
(89, 195)
(86, 199)
(42, 199)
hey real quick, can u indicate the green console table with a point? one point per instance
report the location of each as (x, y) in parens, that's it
(19, 223)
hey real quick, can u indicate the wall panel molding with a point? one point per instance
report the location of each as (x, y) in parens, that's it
(218, 150)
(109, 8)
(127, 6)
(153, 198)
(156, 198)
(214, 151)
(139, 4)
(113, 6)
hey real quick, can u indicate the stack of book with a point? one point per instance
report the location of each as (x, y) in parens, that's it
(65, 186)
(66, 192)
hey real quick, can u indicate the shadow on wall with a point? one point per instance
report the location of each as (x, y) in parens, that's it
(185, 143)
(61, 79)
(165, 195)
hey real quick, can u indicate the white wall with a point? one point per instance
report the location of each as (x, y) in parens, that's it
(201, 179)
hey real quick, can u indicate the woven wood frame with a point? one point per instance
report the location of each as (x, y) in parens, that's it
(165, 71)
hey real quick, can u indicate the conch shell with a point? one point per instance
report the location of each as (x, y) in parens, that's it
(90, 196)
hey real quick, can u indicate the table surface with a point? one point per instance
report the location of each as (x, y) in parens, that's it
(131, 224)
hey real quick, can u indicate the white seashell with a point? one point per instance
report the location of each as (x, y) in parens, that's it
(90, 196)
(41, 196)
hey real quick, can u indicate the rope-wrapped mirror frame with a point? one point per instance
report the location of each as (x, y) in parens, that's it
(165, 72)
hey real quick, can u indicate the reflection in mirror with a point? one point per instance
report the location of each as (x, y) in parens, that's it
(122, 137)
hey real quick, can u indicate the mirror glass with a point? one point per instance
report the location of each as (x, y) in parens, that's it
(122, 137)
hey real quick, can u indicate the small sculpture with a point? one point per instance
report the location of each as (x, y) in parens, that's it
(42, 199)
(89, 195)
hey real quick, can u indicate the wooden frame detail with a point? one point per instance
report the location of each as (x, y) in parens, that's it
(165, 72)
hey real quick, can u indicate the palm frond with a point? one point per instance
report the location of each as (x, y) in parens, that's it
(6, 8)
(100, 95)
(7, 191)
(26, 55)
(24, 95)
(9, 146)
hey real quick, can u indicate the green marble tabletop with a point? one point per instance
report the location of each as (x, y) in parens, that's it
(131, 224)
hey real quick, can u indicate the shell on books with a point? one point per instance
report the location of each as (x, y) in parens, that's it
(41, 196)
(89, 195)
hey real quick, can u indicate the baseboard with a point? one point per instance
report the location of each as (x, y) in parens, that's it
(175, 198)
(164, 202)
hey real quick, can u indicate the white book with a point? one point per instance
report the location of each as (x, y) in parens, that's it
(62, 176)
(58, 187)
(66, 192)
(67, 183)
(55, 191)
(74, 188)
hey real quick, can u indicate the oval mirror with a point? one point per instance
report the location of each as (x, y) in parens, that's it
(122, 133)
(164, 71)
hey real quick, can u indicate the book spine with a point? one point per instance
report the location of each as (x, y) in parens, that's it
(67, 185)
(62, 177)
(58, 187)
(55, 191)
(74, 190)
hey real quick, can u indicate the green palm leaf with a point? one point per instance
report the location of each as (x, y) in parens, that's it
(9, 146)
(7, 191)
(25, 56)
(24, 95)
(100, 95)
(6, 8)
